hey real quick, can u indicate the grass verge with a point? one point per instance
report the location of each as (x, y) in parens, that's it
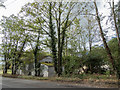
(88, 81)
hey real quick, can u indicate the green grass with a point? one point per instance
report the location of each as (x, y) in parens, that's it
(0, 66)
(33, 77)
(8, 72)
(1, 72)
(25, 77)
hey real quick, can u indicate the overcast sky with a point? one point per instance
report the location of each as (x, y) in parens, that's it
(14, 6)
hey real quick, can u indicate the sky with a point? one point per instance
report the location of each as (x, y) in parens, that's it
(14, 6)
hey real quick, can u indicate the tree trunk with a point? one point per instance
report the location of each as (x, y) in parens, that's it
(35, 55)
(90, 47)
(89, 35)
(66, 54)
(13, 65)
(35, 59)
(16, 57)
(5, 68)
(39, 64)
(16, 66)
(61, 50)
(117, 27)
(90, 44)
(104, 40)
(119, 43)
(53, 41)
(59, 41)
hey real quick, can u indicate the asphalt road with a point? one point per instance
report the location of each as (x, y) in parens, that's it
(23, 83)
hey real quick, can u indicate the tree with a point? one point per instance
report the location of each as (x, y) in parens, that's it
(2, 5)
(34, 25)
(64, 18)
(115, 20)
(5, 51)
(113, 44)
(35, 52)
(115, 67)
(15, 39)
(115, 23)
(53, 38)
(117, 27)
(92, 32)
(34, 41)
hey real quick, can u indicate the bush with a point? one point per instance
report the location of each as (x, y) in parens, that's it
(71, 63)
(94, 61)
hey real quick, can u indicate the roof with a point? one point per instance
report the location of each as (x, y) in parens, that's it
(48, 59)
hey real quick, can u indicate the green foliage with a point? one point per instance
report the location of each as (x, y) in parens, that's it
(93, 62)
(28, 56)
(95, 59)
(70, 64)
(113, 44)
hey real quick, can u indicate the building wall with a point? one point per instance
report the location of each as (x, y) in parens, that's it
(46, 71)
(51, 72)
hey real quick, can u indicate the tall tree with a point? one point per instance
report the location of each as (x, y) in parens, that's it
(117, 28)
(92, 32)
(106, 45)
(103, 38)
(115, 23)
(53, 38)
(35, 52)
(16, 39)
(64, 15)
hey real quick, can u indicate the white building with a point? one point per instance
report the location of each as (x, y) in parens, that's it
(47, 71)
(47, 68)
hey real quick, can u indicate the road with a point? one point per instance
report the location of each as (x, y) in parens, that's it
(24, 83)
(32, 84)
